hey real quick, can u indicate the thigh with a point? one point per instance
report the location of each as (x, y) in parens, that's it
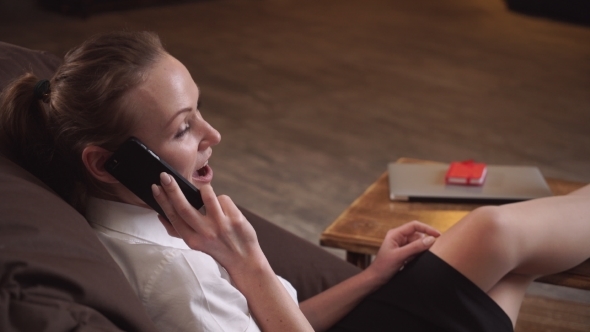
(478, 247)
(427, 295)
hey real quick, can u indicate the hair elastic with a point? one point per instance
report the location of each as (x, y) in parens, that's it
(41, 89)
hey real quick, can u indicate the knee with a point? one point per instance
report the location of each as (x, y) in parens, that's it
(490, 217)
(484, 227)
(492, 225)
(488, 220)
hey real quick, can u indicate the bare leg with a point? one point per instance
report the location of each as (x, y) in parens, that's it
(501, 249)
(509, 293)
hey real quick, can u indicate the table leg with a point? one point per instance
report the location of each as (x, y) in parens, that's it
(360, 260)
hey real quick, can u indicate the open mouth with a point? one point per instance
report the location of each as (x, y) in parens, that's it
(203, 174)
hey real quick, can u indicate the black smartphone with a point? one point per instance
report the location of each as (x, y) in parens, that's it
(137, 168)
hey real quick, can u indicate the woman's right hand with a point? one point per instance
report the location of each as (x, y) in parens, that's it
(399, 246)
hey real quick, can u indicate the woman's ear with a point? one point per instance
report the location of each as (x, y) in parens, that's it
(94, 157)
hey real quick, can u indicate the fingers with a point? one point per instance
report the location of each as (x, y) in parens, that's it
(163, 200)
(411, 238)
(224, 233)
(414, 229)
(218, 207)
(415, 247)
(172, 200)
(229, 208)
(416, 236)
(182, 208)
(169, 228)
(212, 204)
(410, 233)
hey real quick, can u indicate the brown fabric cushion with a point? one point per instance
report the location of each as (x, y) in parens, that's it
(56, 275)
(307, 267)
(16, 60)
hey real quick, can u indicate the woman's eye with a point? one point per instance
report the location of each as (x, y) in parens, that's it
(182, 132)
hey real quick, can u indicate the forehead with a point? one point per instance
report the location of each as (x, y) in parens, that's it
(168, 88)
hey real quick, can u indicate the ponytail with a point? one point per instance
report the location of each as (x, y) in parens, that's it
(45, 128)
(26, 133)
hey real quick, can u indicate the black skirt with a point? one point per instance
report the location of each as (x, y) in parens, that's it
(428, 295)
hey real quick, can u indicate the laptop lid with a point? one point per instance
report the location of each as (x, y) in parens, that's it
(426, 182)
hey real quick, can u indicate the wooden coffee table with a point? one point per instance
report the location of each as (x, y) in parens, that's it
(360, 229)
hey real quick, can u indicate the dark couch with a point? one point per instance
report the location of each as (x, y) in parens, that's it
(56, 276)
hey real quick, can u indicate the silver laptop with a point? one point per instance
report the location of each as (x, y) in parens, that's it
(426, 182)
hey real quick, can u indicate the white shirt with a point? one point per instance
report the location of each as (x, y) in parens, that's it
(182, 289)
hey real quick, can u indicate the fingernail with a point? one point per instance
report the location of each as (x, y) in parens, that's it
(155, 190)
(428, 240)
(165, 178)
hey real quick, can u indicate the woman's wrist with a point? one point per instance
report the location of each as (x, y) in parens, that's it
(268, 300)
(253, 264)
(375, 278)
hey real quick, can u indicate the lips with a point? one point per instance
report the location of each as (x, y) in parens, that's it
(203, 174)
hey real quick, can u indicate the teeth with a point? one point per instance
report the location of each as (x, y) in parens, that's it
(206, 163)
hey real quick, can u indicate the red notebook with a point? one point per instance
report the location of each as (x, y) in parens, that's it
(466, 173)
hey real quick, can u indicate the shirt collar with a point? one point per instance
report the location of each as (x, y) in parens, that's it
(138, 222)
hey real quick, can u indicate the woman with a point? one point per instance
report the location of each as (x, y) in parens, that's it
(118, 85)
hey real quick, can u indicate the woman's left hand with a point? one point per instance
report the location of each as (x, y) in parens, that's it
(223, 232)
(400, 245)
(227, 236)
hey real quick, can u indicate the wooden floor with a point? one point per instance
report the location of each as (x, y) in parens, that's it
(314, 97)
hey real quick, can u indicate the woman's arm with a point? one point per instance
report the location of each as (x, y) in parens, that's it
(226, 235)
(400, 245)
(325, 309)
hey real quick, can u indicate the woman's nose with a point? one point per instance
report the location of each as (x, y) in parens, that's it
(212, 137)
